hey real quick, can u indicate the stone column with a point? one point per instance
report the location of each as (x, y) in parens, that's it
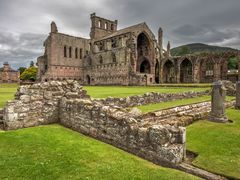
(178, 73)
(196, 73)
(237, 95)
(217, 113)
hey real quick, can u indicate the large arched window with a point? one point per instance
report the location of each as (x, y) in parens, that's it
(186, 71)
(143, 45)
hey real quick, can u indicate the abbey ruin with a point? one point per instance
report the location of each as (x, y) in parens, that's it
(129, 56)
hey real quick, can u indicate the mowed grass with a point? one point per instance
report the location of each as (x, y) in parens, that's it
(124, 91)
(218, 145)
(7, 92)
(55, 152)
(164, 105)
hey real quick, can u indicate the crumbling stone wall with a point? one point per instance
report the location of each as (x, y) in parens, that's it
(160, 144)
(39, 103)
(66, 103)
(150, 98)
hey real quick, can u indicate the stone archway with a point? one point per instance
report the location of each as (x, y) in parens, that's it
(168, 72)
(186, 72)
(88, 80)
(143, 54)
(145, 67)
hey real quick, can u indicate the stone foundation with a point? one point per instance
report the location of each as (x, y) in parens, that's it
(150, 98)
(66, 103)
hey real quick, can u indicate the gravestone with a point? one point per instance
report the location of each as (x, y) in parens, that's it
(237, 106)
(217, 113)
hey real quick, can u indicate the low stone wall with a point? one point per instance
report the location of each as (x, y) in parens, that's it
(158, 143)
(39, 103)
(150, 98)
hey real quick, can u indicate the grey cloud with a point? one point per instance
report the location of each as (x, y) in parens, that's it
(25, 24)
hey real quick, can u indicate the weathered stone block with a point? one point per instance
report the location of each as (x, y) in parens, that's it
(217, 113)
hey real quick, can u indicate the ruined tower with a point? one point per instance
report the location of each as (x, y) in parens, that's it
(101, 27)
(54, 27)
(160, 40)
(168, 49)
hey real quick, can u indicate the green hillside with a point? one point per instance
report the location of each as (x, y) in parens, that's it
(196, 48)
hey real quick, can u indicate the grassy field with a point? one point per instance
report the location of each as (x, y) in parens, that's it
(164, 105)
(124, 91)
(54, 152)
(7, 92)
(218, 145)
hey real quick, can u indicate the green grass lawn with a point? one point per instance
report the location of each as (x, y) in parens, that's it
(124, 91)
(55, 152)
(164, 105)
(7, 92)
(218, 145)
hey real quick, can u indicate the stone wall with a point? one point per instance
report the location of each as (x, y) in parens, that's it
(66, 103)
(158, 143)
(149, 98)
(39, 103)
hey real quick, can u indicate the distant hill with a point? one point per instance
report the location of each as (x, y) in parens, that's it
(197, 48)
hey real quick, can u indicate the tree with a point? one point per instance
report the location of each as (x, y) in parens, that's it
(29, 74)
(31, 64)
(21, 69)
(232, 63)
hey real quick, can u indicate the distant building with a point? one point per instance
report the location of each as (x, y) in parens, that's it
(9, 75)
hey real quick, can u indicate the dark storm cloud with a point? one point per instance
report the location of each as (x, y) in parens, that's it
(26, 23)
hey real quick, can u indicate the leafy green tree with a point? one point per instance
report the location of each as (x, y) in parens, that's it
(29, 74)
(232, 63)
(21, 69)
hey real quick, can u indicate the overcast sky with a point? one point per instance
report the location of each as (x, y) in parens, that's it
(24, 24)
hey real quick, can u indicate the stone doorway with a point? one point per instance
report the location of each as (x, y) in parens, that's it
(88, 79)
(145, 67)
(186, 71)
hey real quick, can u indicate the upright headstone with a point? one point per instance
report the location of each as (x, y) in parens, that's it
(237, 95)
(217, 113)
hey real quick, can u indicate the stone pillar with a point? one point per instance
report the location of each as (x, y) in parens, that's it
(196, 73)
(237, 106)
(217, 113)
(178, 71)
